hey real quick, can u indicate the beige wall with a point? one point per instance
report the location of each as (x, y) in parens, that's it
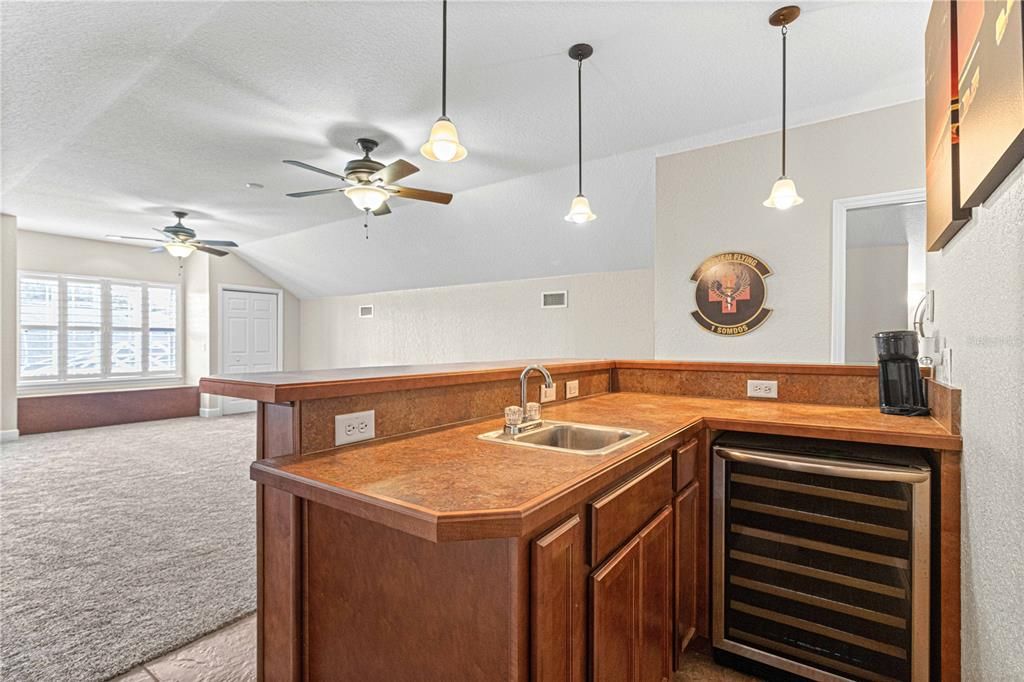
(876, 297)
(200, 275)
(8, 327)
(42, 252)
(709, 201)
(609, 315)
(979, 316)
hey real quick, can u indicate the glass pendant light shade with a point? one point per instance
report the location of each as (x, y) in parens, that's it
(179, 249)
(443, 144)
(367, 197)
(579, 211)
(783, 195)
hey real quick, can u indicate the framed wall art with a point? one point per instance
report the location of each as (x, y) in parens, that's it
(990, 58)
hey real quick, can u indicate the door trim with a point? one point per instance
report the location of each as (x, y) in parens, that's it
(839, 209)
(221, 288)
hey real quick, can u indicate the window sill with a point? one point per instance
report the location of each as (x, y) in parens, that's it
(111, 386)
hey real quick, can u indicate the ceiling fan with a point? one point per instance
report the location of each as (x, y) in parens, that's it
(180, 241)
(371, 183)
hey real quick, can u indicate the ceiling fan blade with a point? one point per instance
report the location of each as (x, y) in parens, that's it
(394, 172)
(314, 169)
(159, 231)
(158, 249)
(213, 242)
(383, 210)
(138, 239)
(214, 252)
(421, 194)
(313, 193)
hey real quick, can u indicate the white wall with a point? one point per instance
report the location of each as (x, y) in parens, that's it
(709, 201)
(609, 315)
(8, 327)
(979, 314)
(876, 297)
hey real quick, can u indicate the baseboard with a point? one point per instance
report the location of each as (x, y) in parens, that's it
(209, 412)
(9, 434)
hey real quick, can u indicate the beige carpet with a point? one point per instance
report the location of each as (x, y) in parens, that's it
(120, 543)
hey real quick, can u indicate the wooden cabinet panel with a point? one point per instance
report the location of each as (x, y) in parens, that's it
(656, 599)
(686, 464)
(687, 564)
(631, 608)
(558, 578)
(615, 619)
(619, 514)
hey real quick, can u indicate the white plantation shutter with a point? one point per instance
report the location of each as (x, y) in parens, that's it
(81, 329)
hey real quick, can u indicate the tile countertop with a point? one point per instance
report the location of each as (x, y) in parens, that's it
(446, 484)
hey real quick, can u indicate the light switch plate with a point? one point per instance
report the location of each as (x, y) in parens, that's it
(572, 388)
(762, 389)
(548, 394)
(354, 427)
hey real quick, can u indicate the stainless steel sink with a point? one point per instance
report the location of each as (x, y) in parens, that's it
(580, 439)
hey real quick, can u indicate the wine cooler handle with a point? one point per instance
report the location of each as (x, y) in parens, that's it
(829, 467)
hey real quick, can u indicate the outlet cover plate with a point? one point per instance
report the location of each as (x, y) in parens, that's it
(572, 388)
(762, 389)
(548, 394)
(354, 427)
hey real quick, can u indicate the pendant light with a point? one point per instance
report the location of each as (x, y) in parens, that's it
(579, 210)
(443, 144)
(783, 193)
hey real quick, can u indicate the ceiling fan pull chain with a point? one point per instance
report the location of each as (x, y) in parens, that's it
(366, 223)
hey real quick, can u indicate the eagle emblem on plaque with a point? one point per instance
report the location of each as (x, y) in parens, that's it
(731, 293)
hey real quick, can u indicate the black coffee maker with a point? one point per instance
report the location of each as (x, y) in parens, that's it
(900, 386)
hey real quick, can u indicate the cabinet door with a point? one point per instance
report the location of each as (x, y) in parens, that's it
(558, 575)
(656, 599)
(687, 564)
(631, 601)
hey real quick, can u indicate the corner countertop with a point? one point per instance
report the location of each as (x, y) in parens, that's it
(447, 484)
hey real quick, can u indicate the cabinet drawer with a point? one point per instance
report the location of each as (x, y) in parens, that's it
(618, 514)
(686, 464)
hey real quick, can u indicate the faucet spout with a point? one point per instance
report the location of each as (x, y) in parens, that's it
(548, 381)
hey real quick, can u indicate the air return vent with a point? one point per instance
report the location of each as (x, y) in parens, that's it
(554, 299)
(366, 311)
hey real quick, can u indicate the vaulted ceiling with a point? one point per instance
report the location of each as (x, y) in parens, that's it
(114, 113)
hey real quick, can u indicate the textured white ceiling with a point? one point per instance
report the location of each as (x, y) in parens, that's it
(116, 113)
(889, 225)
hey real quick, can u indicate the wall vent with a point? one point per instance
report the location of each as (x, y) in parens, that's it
(554, 299)
(366, 311)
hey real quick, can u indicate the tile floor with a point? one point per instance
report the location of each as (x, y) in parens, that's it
(229, 655)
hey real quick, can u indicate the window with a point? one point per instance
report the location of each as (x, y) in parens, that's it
(81, 329)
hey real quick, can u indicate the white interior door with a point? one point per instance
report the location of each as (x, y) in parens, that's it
(248, 339)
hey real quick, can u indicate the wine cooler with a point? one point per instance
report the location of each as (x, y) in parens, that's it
(820, 559)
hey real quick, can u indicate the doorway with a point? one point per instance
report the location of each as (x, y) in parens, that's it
(250, 338)
(878, 270)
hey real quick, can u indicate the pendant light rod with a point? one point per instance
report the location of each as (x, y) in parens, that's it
(785, 30)
(579, 121)
(444, 57)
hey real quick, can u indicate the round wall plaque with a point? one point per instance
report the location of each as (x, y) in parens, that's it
(731, 293)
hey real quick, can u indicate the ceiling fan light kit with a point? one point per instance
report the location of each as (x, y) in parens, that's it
(784, 194)
(367, 197)
(579, 210)
(180, 241)
(443, 144)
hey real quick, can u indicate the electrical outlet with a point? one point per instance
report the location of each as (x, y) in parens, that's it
(762, 389)
(548, 394)
(572, 388)
(354, 427)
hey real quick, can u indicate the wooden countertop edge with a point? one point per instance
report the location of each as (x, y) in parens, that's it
(481, 524)
(285, 392)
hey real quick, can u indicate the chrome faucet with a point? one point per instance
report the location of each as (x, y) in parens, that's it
(548, 382)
